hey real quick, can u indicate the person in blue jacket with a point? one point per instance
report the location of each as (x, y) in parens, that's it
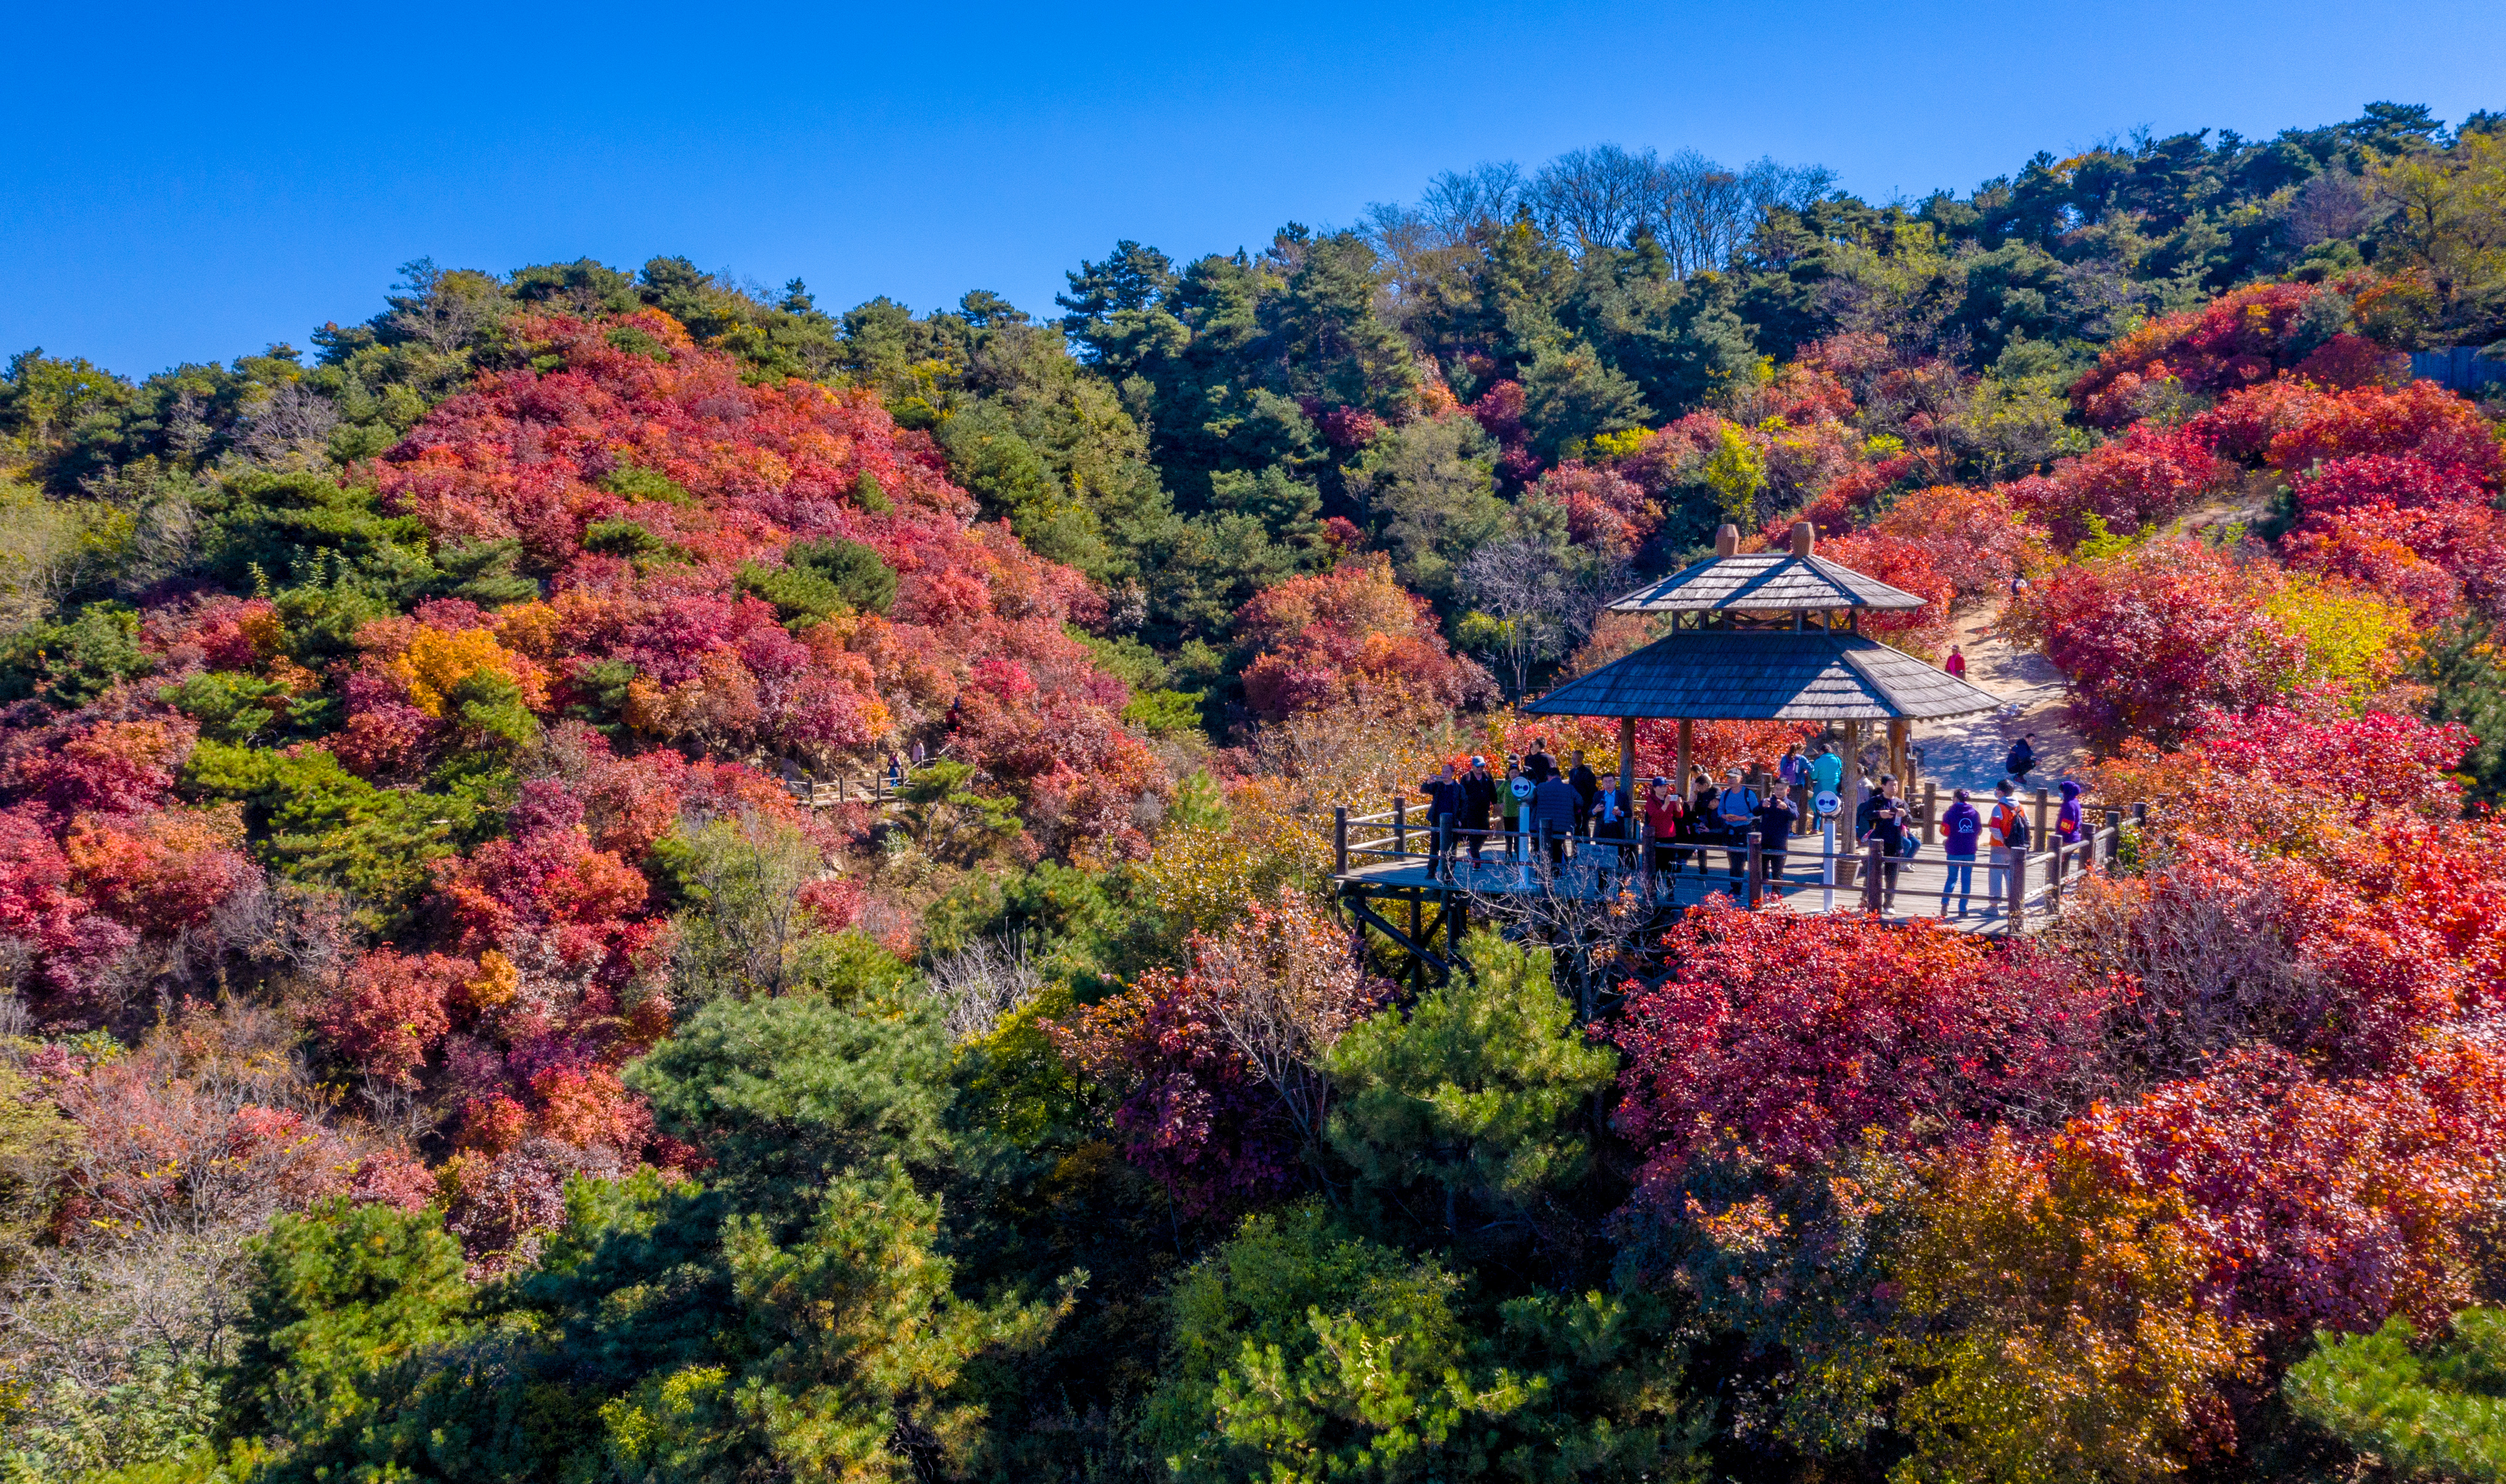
(1552, 816)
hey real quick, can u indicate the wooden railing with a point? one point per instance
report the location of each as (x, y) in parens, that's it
(877, 789)
(2035, 881)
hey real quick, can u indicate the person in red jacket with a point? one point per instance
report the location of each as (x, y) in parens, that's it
(1664, 813)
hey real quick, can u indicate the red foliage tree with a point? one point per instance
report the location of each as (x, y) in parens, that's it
(2149, 639)
(1351, 634)
(2233, 341)
(2148, 477)
(1782, 1037)
(1603, 510)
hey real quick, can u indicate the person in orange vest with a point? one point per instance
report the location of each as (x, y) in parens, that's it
(2005, 830)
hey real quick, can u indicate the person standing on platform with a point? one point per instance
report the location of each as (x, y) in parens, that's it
(1955, 664)
(1702, 826)
(1444, 816)
(1511, 795)
(1883, 819)
(1795, 772)
(1553, 817)
(2005, 831)
(1827, 770)
(1478, 796)
(1665, 818)
(1588, 787)
(1537, 764)
(1736, 810)
(1961, 831)
(2070, 827)
(1776, 820)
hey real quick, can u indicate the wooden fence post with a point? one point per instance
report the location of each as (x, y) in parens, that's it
(2114, 838)
(1871, 899)
(1757, 864)
(1400, 827)
(1339, 840)
(2018, 889)
(2039, 821)
(1931, 812)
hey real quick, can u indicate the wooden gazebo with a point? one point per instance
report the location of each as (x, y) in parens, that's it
(1765, 637)
(1772, 636)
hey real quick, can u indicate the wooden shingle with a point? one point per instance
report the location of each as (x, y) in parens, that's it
(1778, 676)
(1765, 582)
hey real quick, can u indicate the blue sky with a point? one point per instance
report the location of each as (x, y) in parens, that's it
(197, 182)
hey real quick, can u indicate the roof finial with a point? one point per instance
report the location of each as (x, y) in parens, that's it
(1804, 537)
(1726, 541)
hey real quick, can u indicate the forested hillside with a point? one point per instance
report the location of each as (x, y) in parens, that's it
(441, 1041)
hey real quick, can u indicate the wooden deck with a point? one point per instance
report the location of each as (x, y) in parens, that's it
(1393, 858)
(1598, 876)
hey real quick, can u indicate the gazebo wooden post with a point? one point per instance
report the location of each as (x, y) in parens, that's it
(1626, 772)
(1898, 735)
(1686, 743)
(1849, 815)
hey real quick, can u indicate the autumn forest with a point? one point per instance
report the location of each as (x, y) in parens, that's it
(612, 875)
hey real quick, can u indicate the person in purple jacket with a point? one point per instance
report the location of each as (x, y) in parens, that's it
(1961, 827)
(2069, 826)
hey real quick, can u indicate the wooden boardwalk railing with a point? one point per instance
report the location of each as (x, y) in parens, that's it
(1404, 850)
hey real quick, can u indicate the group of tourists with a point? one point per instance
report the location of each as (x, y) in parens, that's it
(1535, 806)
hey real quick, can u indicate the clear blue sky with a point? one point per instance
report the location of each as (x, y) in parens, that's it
(192, 183)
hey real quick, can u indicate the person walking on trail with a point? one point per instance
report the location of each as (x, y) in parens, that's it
(2005, 832)
(1955, 664)
(1736, 811)
(2022, 758)
(1537, 764)
(1883, 819)
(1553, 816)
(1795, 772)
(1478, 796)
(1774, 827)
(1588, 787)
(1444, 813)
(1961, 831)
(1665, 816)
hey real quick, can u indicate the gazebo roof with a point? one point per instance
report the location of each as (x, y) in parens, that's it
(1780, 582)
(1751, 675)
(1763, 581)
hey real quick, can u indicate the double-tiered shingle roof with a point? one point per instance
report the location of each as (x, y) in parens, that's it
(1758, 673)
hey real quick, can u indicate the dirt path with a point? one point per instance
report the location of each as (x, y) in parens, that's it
(1967, 751)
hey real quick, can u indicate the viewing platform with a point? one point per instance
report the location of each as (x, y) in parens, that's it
(1764, 636)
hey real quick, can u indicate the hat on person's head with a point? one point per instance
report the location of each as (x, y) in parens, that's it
(1477, 762)
(2070, 789)
(1661, 782)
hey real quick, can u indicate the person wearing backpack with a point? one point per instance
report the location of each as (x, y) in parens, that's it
(1961, 831)
(1736, 809)
(2006, 829)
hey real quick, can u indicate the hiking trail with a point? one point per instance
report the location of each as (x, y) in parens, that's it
(1967, 751)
